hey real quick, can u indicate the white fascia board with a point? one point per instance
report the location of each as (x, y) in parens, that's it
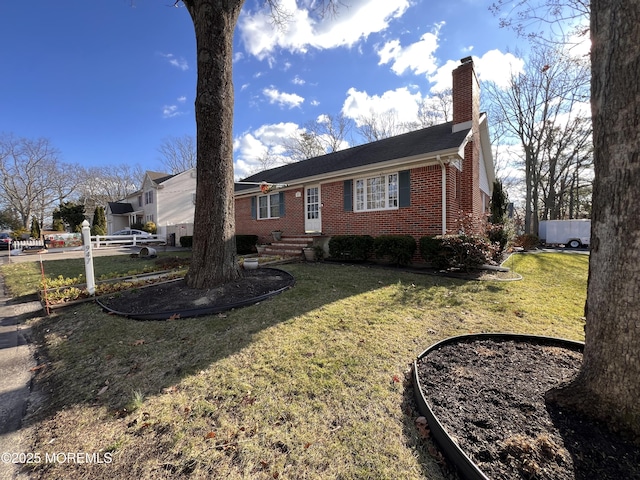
(458, 127)
(487, 152)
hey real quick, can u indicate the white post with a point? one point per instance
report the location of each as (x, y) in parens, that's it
(88, 258)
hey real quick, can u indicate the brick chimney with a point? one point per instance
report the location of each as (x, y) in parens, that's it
(466, 114)
(466, 93)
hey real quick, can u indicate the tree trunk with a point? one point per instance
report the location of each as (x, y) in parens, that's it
(608, 386)
(214, 251)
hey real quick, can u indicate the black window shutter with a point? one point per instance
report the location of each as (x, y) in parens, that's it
(348, 195)
(254, 208)
(404, 190)
(281, 204)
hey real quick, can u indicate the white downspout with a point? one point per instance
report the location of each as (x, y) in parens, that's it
(444, 195)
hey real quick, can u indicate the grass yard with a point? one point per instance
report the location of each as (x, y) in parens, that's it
(307, 385)
(25, 278)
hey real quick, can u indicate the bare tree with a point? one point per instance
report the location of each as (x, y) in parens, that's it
(608, 385)
(539, 107)
(547, 22)
(178, 154)
(376, 126)
(100, 185)
(326, 134)
(436, 109)
(33, 179)
(214, 253)
(302, 146)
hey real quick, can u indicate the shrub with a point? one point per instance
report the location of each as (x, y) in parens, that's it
(458, 251)
(399, 248)
(186, 241)
(350, 247)
(431, 250)
(527, 241)
(246, 243)
(150, 227)
(499, 233)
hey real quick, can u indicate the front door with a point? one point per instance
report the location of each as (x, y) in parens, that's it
(312, 219)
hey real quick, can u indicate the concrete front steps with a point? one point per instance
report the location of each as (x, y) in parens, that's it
(289, 246)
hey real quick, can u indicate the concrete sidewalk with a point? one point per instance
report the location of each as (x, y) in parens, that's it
(16, 362)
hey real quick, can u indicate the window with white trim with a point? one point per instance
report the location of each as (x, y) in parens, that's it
(148, 197)
(269, 206)
(376, 193)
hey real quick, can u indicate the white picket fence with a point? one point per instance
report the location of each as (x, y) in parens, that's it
(31, 243)
(99, 241)
(107, 240)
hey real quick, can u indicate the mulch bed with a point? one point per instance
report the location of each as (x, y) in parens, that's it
(489, 396)
(177, 297)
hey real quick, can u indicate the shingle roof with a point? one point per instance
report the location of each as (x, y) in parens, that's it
(418, 142)
(118, 208)
(159, 177)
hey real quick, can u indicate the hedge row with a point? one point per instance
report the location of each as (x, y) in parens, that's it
(443, 251)
(397, 248)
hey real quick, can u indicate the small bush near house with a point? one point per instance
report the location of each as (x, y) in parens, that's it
(399, 248)
(499, 233)
(150, 227)
(350, 247)
(458, 251)
(431, 250)
(528, 241)
(186, 241)
(246, 244)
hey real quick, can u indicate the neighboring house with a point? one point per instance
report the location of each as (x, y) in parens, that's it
(164, 199)
(418, 183)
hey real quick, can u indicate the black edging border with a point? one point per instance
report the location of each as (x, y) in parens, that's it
(197, 312)
(463, 464)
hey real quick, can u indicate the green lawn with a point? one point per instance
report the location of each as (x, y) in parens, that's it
(309, 384)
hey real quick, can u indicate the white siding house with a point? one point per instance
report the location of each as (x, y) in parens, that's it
(164, 199)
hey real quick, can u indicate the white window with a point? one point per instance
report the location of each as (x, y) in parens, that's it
(148, 197)
(377, 193)
(269, 206)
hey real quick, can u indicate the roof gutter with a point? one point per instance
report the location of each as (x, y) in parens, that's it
(444, 194)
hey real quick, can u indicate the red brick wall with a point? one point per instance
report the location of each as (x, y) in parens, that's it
(422, 217)
(291, 224)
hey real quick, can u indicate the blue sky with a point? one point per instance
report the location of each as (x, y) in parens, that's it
(106, 82)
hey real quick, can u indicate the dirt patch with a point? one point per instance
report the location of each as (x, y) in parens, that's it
(175, 297)
(489, 396)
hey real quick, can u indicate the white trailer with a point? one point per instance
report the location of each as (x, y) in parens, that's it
(571, 233)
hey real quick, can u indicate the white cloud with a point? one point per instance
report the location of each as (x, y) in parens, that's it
(282, 99)
(267, 139)
(493, 66)
(303, 31)
(169, 111)
(298, 81)
(177, 62)
(418, 57)
(401, 101)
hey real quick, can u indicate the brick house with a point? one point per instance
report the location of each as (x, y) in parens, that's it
(417, 183)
